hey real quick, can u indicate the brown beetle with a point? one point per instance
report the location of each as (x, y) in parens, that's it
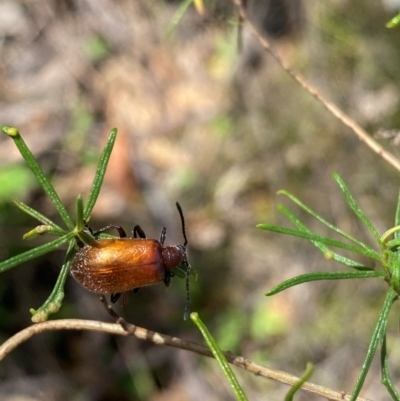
(113, 266)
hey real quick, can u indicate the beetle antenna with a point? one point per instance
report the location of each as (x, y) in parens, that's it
(187, 306)
(178, 206)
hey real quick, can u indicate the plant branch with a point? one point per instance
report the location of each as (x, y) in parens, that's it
(161, 339)
(333, 108)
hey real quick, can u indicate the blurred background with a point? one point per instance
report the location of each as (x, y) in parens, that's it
(205, 118)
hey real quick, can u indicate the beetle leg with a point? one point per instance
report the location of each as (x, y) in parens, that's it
(109, 308)
(115, 297)
(137, 231)
(88, 227)
(163, 236)
(167, 278)
(121, 231)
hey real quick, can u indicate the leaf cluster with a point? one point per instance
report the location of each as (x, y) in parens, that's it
(388, 268)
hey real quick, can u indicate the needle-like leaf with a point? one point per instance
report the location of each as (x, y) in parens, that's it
(354, 206)
(100, 173)
(318, 276)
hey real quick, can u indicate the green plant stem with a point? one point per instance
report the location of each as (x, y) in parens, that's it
(53, 302)
(386, 380)
(296, 387)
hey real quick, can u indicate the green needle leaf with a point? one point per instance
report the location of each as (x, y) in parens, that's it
(54, 301)
(356, 209)
(38, 216)
(80, 224)
(220, 357)
(377, 336)
(323, 240)
(386, 380)
(324, 249)
(322, 220)
(34, 253)
(397, 218)
(100, 173)
(39, 174)
(316, 276)
(394, 22)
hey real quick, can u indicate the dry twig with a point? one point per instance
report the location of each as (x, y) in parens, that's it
(161, 339)
(334, 110)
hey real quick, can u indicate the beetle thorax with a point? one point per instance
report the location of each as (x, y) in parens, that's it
(173, 256)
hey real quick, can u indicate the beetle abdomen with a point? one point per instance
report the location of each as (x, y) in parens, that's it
(118, 265)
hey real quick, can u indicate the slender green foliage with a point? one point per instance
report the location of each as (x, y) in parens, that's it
(34, 253)
(54, 301)
(38, 173)
(377, 337)
(320, 239)
(356, 209)
(394, 22)
(100, 173)
(36, 215)
(72, 235)
(322, 220)
(296, 387)
(220, 357)
(180, 12)
(318, 276)
(388, 269)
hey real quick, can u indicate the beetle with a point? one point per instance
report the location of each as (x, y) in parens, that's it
(115, 265)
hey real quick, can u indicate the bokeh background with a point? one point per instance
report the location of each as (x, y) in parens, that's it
(208, 119)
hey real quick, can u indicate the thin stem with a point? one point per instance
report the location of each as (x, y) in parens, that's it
(156, 338)
(330, 106)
